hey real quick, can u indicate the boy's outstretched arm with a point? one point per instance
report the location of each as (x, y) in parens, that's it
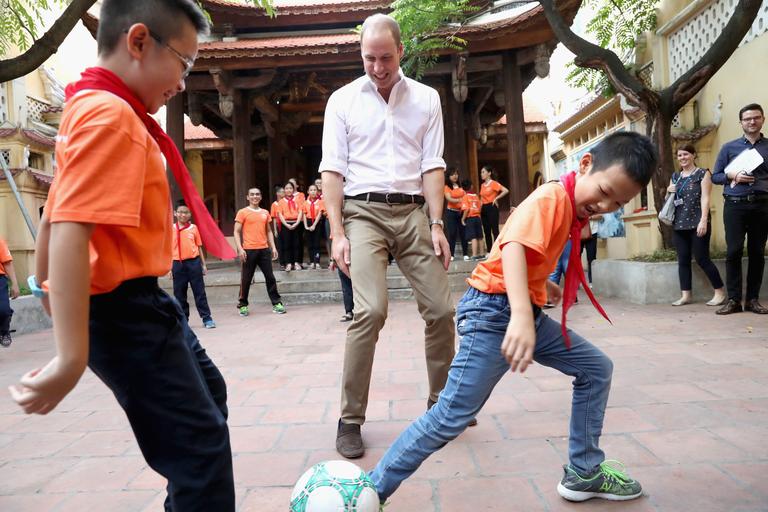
(520, 338)
(40, 391)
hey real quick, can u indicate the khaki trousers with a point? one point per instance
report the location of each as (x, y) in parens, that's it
(374, 229)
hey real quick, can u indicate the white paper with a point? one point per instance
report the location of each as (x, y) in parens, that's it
(747, 161)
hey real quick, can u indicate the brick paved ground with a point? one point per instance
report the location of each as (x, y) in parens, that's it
(688, 415)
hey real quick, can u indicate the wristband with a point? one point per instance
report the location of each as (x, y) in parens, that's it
(35, 289)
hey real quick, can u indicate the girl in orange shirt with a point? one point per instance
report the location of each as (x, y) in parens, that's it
(490, 193)
(314, 210)
(274, 213)
(454, 197)
(291, 214)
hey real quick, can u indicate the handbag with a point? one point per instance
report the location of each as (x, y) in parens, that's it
(667, 213)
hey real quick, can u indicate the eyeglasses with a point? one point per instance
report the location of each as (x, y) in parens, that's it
(188, 63)
(752, 119)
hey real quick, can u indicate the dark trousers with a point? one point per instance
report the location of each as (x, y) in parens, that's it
(300, 237)
(687, 243)
(279, 245)
(590, 245)
(5, 306)
(490, 217)
(346, 292)
(742, 220)
(455, 231)
(315, 240)
(175, 398)
(290, 240)
(261, 258)
(190, 273)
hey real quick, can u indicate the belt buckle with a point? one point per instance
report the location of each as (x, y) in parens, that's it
(386, 198)
(750, 198)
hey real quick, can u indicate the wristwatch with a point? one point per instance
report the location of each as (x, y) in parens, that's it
(35, 288)
(439, 222)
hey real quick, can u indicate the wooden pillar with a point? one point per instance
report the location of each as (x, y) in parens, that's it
(455, 148)
(243, 147)
(517, 161)
(174, 124)
(472, 165)
(276, 161)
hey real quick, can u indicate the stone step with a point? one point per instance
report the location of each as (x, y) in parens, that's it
(310, 286)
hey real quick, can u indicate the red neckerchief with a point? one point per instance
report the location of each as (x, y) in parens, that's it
(291, 202)
(312, 207)
(101, 79)
(575, 273)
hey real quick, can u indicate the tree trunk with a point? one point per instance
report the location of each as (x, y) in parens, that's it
(662, 135)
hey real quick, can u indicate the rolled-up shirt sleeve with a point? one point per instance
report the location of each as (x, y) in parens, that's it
(335, 149)
(433, 141)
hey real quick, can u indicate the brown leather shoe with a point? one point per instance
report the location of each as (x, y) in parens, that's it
(430, 403)
(730, 307)
(349, 442)
(754, 306)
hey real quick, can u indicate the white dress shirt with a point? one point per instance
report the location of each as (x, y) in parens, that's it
(381, 146)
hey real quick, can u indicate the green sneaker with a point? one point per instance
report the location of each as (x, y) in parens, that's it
(243, 310)
(278, 308)
(608, 483)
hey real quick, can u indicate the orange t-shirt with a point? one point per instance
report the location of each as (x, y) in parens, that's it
(188, 238)
(274, 209)
(313, 208)
(290, 211)
(455, 193)
(542, 224)
(111, 174)
(489, 191)
(471, 202)
(5, 256)
(255, 226)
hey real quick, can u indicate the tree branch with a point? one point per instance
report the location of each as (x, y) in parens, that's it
(697, 76)
(590, 55)
(47, 45)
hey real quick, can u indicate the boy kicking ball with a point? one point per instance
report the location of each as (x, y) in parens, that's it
(502, 327)
(106, 237)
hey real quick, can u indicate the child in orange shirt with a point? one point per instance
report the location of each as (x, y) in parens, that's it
(502, 328)
(256, 247)
(314, 223)
(273, 212)
(470, 218)
(7, 280)
(104, 240)
(189, 266)
(291, 212)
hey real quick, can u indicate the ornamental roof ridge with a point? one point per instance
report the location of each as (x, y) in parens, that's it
(302, 7)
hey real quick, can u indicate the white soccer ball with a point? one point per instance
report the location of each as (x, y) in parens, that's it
(334, 486)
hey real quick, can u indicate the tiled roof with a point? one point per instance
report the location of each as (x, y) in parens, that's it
(40, 177)
(299, 7)
(192, 132)
(280, 46)
(30, 135)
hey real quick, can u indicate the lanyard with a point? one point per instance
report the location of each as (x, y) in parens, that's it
(679, 188)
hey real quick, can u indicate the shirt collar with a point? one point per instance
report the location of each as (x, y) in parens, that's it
(759, 139)
(372, 85)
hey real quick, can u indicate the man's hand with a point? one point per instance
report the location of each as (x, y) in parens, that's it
(519, 342)
(41, 390)
(440, 245)
(241, 255)
(743, 177)
(554, 293)
(341, 253)
(14, 290)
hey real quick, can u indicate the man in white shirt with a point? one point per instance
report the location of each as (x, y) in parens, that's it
(382, 160)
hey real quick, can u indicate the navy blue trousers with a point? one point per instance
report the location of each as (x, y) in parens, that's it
(188, 273)
(175, 398)
(5, 306)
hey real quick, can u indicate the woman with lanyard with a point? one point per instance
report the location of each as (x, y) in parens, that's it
(454, 198)
(291, 215)
(490, 193)
(692, 228)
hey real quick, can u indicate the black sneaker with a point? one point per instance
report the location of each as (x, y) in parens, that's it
(5, 340)
(608, 483)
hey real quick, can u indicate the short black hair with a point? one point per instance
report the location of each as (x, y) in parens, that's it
(180, 202)
(751, 106)
(160, 16)
(633, 151)
(466, 184)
